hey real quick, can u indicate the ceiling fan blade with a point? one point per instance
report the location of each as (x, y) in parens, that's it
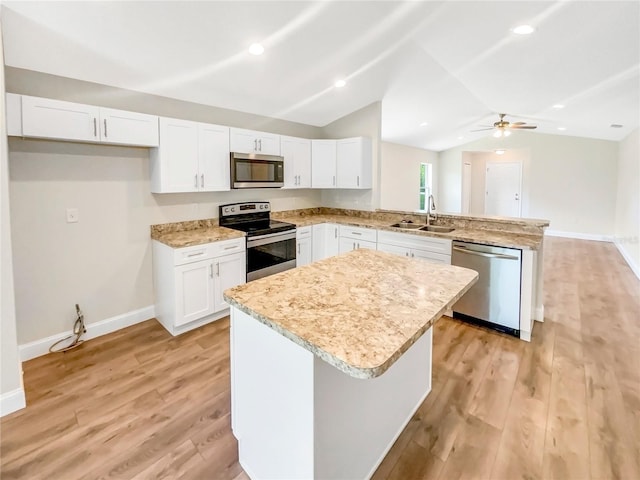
(518, 123)
(524, 127)
(482, 129)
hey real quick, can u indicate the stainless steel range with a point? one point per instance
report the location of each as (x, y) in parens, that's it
(271, 245)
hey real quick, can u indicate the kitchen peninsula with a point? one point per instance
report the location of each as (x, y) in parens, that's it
(329, 361)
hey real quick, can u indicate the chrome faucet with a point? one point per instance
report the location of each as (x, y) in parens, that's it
(431, 206)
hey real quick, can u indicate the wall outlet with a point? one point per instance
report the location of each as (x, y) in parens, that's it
(73, 216)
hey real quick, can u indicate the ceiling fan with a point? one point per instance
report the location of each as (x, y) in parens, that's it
(503, 127)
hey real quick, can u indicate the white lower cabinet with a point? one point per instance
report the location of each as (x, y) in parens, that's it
(304, 255)
(434, 250)
(189, 282)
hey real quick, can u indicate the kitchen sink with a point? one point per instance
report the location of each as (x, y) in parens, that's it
(408, 226)
(436, 229)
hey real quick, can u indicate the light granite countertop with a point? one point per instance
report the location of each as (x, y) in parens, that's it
(197, 236)
(488, 237)
(359, 311)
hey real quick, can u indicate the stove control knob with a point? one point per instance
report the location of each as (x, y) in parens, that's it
(261, 207)
(226, 209)
(233, 209)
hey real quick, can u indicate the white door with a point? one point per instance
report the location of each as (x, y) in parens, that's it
(303, 163)
(289, 150)
(502, 188)
(230, 271)
(348, 162)
(194, 291)
(466, 187)
(243, 141)
(213, 157)
(303, 253)
(268, 143)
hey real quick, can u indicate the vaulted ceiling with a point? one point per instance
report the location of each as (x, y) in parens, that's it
(451, 65)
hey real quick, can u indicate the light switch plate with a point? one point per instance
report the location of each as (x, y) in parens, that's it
(73, 216)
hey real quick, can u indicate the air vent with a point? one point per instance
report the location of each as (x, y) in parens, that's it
(615, 125)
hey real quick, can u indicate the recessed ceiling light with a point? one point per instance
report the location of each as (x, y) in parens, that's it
(460, 138)
(558, 106)
(562, 128)
(340, 84)
(616, 125)
(499, 152)
(523, 30)
(424, 124)
(256, 49)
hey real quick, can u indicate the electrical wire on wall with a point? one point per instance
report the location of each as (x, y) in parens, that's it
(73, 340)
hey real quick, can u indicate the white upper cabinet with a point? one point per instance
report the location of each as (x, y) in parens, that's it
(251, 141)
(323, 163)
(297, 161)
(354, 163)
(192, 157)
(56, 119)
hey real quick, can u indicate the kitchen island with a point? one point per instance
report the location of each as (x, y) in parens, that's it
(330, 361)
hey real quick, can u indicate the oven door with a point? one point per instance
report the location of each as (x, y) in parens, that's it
(256, 171)
(270, 253)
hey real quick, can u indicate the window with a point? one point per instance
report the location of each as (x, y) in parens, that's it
(425, 184)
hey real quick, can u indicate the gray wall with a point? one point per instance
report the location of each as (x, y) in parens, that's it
(103, 262)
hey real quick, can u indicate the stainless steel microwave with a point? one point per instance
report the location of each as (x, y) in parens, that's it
(251, 170)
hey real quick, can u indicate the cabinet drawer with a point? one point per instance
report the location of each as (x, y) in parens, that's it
(431, 244)
(208, 250)
(357, 233)
(303, 232)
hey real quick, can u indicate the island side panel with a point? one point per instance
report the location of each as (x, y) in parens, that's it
(357, 421)
(271, 401)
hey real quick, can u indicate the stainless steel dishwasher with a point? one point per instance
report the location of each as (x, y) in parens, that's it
(494, 301)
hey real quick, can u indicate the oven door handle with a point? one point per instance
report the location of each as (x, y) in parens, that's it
(270, 238)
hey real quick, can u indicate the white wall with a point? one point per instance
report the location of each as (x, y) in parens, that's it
(627, 225)
(571, 180)
(400, 176)
(103, 262)
(365, 122)
(11, 391)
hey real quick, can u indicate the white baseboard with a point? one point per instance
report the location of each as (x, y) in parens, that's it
(627, 258)
(12, 401)
(41, 347)
(539, 313)
(580, 236)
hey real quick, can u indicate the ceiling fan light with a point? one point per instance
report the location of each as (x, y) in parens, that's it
(497, 133)
(506, 133)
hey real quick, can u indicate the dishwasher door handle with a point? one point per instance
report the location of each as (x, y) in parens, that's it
(484, 254)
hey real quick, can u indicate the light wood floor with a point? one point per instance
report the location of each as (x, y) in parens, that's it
(139, 404)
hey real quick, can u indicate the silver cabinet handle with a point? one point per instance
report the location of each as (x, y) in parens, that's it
(334, 180)
(105, 128)
(260, 144)
(356, 233)
(217, 269)
(195, 180)
(202, 180)
(231, 247)
(412, 255)
(298, 249)
(211, 270)
(95, 127)
(354, 245)
(195, 254)
(336, 232)
(358, 180)
(255, 144)
(483, 254)
(406, 254)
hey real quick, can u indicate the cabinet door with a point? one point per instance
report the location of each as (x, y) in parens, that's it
(331, 240)
(297, 161)
(243, 141)
(230, 270)
(128, 128)
(268, 143)
(175, 163)
(303, 252)
(347, 244)
(366, 244)
(323, 163)
(395, 249)
(353, 164)
(213, 157)
(46, 118)
(194, 291)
